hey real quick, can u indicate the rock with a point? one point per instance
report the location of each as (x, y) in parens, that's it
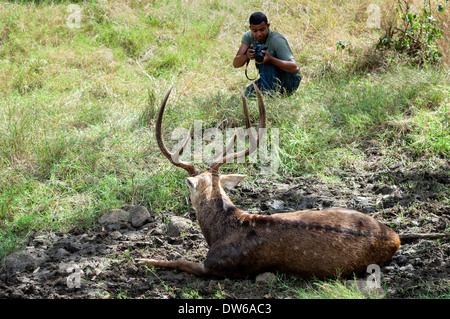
(363, 201)
(178, 225)
(265, 278)
(115, 219)
(60, 253)
(139, 216)
(327, 201)
(400, 259)
(384, 190)
(25, 260)
(364, 204)
(132, 269)
(116, 234)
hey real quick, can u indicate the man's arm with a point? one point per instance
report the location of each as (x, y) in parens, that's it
(289, 66)
(243, 55)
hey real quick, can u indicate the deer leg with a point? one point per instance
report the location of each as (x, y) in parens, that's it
(190, 267)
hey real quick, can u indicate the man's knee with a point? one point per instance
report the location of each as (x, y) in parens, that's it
(290, 82)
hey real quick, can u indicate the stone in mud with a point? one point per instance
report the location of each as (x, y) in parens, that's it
(115, 219)
(25, 260)
(139, 216)
(61, 253)
(178, 225)
(265, 278)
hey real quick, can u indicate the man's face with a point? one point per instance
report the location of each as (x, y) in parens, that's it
(260, 31)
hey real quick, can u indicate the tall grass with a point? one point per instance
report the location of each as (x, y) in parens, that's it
(77, 103)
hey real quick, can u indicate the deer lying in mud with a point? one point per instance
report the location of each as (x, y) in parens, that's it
(307, 243)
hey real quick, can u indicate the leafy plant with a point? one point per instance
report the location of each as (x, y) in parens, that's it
(340, 45)
(416, 35)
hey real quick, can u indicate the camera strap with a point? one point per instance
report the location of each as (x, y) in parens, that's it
(246, 66)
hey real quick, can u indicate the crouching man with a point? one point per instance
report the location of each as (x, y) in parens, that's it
(277, 68)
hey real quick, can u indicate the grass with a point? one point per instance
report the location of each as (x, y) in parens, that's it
(329, 289)
(285, 287)
(77, 103)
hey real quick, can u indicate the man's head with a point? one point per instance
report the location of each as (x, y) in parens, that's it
(259, 26)
(258, 18)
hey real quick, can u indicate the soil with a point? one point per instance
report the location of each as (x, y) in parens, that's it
(102, 259)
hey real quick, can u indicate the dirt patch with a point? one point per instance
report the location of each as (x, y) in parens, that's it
(99, 263)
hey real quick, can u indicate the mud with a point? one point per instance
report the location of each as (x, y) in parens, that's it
(100, 262)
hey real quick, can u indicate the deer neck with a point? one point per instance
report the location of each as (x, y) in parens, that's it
(214, 211)
(214, 217)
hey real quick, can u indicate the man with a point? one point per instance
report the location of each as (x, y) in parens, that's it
(278, 71)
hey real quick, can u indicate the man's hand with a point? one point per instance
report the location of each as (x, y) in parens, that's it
(250, 52)
(267, 57)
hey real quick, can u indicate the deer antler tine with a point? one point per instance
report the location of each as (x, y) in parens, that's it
(251, 138)
(262, 112)
(219, 161)
(222, 158)
(175, 155)
(158, 131)
(245, 107)
(172, 157)
(230, 145)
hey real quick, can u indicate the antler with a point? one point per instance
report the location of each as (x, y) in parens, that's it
(225, 157)
(174, 157)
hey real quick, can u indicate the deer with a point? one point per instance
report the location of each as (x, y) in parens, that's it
(308, 243)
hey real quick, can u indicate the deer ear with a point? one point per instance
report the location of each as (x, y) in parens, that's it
(231, 180)
(191, 182)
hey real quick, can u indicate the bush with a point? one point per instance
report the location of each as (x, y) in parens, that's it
(415, 34)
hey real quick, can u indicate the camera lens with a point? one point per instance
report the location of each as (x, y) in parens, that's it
(259, 57)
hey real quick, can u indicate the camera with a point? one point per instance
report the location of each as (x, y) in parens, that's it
(259, 56)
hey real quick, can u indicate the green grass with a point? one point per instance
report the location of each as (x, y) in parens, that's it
(332, 119)
(285, 287)
(326, 289)
(77, 111)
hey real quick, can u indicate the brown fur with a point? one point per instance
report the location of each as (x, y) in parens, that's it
(306, 243)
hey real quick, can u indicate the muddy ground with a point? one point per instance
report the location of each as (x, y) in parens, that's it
(100, 262)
